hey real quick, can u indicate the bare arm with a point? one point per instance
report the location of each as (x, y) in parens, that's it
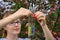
(41, 19)
(16, 15)
(47, 33)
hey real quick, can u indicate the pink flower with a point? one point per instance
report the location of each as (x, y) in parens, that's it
(26, 32)
(54, 33)
(24, 19)
(27, 24)
(56, 7)
(37, 30)
(26, 2)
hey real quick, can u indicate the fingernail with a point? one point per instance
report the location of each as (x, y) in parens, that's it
(34, 16)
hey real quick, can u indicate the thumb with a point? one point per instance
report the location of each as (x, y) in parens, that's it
(42, 22)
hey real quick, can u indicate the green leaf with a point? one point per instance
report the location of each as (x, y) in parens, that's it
(54, 15)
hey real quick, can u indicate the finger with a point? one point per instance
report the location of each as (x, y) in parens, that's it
(37, 13)
(42, 22)
(34, 16)
(40, 16)
(41, 19)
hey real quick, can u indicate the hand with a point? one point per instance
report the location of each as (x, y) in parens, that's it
(40, 17)
(24, 12)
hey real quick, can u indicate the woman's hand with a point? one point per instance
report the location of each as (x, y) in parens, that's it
(42, 20)
(40, 17)
(24, 12)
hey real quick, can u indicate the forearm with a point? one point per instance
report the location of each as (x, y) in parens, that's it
(10, 18)
(47, 33)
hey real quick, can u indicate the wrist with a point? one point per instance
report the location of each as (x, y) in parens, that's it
(44, 25)
(19, 13)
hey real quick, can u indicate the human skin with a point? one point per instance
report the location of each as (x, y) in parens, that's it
(16, 15)
(42, 21)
